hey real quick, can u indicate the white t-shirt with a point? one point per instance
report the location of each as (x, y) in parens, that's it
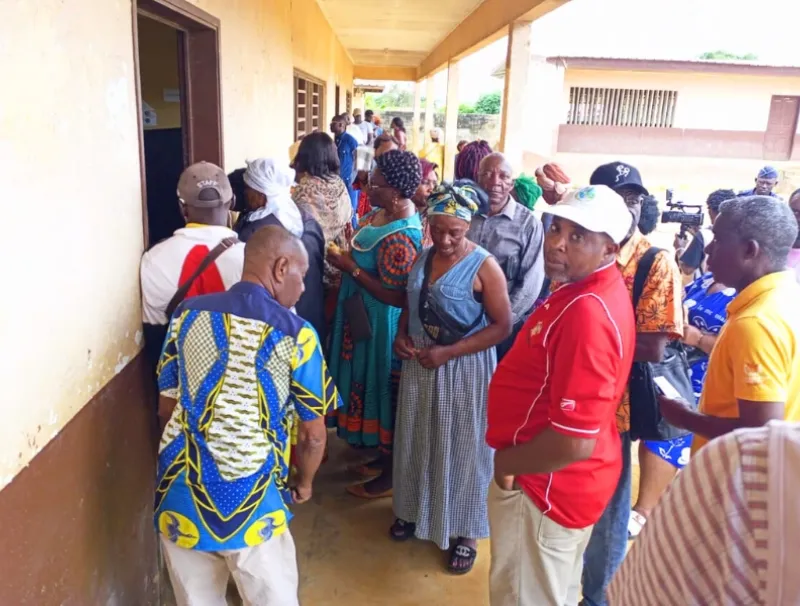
(169, 263)
(368, 129)
(357, 133)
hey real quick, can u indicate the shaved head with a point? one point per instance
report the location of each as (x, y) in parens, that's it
(276, 259)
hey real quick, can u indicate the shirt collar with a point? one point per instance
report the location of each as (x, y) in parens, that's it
(598, 275)
(508, 210)
(251, 288)
(760, 287)
(626, 252)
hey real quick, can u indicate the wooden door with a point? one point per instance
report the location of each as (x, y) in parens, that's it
(781, 128)
(338, 99)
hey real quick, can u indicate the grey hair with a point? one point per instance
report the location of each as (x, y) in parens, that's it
(497, 156)
(766, 220)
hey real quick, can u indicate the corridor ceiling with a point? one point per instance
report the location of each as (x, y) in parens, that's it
(394, 32)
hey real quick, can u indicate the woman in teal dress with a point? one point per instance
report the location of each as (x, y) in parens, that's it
(361, 360)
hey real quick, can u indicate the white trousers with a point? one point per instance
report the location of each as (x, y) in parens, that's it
(535, 561)
(265, 575)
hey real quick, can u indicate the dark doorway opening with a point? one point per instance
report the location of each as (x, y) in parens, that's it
(177, 54)
(338, 101)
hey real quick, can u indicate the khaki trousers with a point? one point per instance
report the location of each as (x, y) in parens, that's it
(535, 561)
(265, 575)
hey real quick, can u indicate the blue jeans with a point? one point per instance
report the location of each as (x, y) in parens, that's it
(354, 194)
(609, 540)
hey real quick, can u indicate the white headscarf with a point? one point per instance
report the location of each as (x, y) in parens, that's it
(274, 179)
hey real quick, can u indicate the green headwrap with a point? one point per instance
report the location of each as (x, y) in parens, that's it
(528, 191)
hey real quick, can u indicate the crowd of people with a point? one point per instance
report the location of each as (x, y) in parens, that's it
(494, 365)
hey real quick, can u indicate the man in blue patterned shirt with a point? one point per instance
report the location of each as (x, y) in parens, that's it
(238, 375)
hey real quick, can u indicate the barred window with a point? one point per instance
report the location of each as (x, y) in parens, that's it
(622, 107)
(309, 95)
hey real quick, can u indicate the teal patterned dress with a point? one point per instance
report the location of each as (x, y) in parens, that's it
(367, 373)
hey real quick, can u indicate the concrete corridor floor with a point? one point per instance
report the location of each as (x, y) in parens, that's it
(345, 555)
(346, 558)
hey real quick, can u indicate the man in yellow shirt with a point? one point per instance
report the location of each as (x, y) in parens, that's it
(754, 370)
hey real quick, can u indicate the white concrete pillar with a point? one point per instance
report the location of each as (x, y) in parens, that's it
(451, 121)
(514, 125)
(430, 98)
(359, 101)
(417, 138)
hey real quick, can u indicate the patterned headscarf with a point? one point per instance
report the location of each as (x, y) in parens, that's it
(401, 170)
(454, 201)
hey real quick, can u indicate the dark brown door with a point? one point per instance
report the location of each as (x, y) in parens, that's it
(781, 128)
(338, 95)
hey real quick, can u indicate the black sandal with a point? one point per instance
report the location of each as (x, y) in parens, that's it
(402, 531)
(462, 552)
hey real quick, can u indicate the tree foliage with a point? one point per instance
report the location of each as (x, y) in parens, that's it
(489, 103)
(726, 55)
(394, 97)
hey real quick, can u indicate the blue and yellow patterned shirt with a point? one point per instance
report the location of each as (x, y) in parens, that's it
(243, 368)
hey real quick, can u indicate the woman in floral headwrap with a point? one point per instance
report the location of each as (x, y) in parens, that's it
(457, 310)
(384, 248)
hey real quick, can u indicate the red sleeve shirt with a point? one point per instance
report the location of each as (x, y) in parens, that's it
(568, 370)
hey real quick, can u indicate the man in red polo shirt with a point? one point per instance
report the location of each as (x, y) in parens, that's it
(552, 408)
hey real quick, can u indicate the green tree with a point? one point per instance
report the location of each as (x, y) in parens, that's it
(718, 55)
(466, 108)
(394, 97)
(489, 103)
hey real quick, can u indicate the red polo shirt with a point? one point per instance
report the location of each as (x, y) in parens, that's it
(567, 371)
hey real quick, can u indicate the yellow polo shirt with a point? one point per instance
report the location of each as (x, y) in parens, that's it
(757, 354)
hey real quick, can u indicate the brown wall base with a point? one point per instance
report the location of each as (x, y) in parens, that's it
(633, 140)
(77, 524)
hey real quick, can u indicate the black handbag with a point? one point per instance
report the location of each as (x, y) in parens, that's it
(438, 325)
(646, 420)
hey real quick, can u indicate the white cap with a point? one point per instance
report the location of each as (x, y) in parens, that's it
(596, 208)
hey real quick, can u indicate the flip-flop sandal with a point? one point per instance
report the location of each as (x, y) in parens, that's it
(462, 552)
(365, 471)
(635, 524)
(402, 531)
(359, 491)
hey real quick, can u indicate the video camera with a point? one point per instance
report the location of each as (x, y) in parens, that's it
(688, 215)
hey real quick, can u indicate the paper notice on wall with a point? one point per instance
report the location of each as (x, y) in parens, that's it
(172, 95)
(149, 116)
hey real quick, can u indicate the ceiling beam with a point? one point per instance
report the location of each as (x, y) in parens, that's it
(385, 72)
(484, 25)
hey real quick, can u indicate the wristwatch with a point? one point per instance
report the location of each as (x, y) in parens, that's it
(355, 273)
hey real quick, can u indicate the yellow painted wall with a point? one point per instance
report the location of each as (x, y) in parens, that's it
(69, 146)
(705, 100)
(158, 63)
(318, 52)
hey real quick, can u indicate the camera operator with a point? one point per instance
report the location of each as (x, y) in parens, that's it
(691, 256)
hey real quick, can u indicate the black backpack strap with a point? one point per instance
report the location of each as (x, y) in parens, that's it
(642, 271)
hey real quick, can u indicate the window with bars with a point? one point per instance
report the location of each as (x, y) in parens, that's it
(622, 107)
(309, 98)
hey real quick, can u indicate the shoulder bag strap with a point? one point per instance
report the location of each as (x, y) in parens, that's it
(212, 256)
(642, 271)
(424, 291)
